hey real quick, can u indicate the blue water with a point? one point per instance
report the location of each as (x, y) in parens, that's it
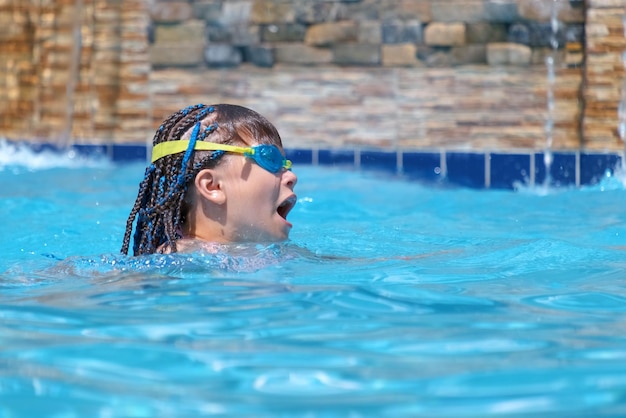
(391, 299)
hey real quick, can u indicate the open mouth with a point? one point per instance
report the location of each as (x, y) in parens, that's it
(285, 207)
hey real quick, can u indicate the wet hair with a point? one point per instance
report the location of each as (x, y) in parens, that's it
(160, 209)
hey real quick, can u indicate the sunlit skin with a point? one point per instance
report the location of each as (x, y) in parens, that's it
(238, 201)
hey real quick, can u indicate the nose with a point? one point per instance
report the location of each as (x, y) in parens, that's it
(289, 179)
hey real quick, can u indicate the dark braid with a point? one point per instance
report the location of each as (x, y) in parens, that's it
(160, 209)
(157, 208)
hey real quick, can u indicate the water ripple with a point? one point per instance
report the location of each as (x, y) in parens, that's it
(581, 302)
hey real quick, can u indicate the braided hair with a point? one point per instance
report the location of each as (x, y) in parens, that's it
(160, 209)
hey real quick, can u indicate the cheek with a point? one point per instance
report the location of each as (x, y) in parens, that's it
(266, 192)
(257, 187)
(251, 194)
(265, 183)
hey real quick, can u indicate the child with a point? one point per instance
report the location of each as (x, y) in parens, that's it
(218, 175)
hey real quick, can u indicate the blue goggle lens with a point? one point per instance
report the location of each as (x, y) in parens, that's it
(270, 158)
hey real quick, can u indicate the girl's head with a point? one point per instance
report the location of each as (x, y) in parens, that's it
(206, 181)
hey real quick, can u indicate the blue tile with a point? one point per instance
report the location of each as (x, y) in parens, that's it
(300, 156)
(594, 166)
(336, 157)
(466, 169)
(540, 169)
(508, 170)
(380, 160)
(422, 165)
(129, 153)
(562, 169)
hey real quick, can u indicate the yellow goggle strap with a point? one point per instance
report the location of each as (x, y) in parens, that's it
(174, 147)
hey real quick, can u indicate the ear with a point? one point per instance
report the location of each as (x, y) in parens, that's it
(209, 187)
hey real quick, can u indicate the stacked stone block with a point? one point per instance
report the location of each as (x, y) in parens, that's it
(18, 71)
(605, 75)
(133, 108)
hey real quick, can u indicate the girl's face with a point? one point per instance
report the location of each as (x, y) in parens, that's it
(257, 201)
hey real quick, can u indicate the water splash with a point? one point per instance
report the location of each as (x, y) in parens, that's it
(15, 156)
(73, 76)
(615, 180)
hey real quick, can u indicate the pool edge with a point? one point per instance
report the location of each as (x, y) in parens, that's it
(508, 169)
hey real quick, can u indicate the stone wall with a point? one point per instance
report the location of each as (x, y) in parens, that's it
(470, 107)
(467, 74)
(74, 70)
(604, 76)
(388, 33)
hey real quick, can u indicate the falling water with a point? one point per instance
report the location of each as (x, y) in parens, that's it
(621, 110)
(550, 64)
(73, 75)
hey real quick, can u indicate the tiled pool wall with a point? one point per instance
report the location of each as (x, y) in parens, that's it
(496, 170)
(472, 169)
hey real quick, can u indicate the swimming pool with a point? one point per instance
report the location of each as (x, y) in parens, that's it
(391, 299)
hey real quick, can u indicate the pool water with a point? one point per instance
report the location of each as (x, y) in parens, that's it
(391, 299)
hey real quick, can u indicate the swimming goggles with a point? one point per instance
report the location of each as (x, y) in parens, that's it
(267, 156)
